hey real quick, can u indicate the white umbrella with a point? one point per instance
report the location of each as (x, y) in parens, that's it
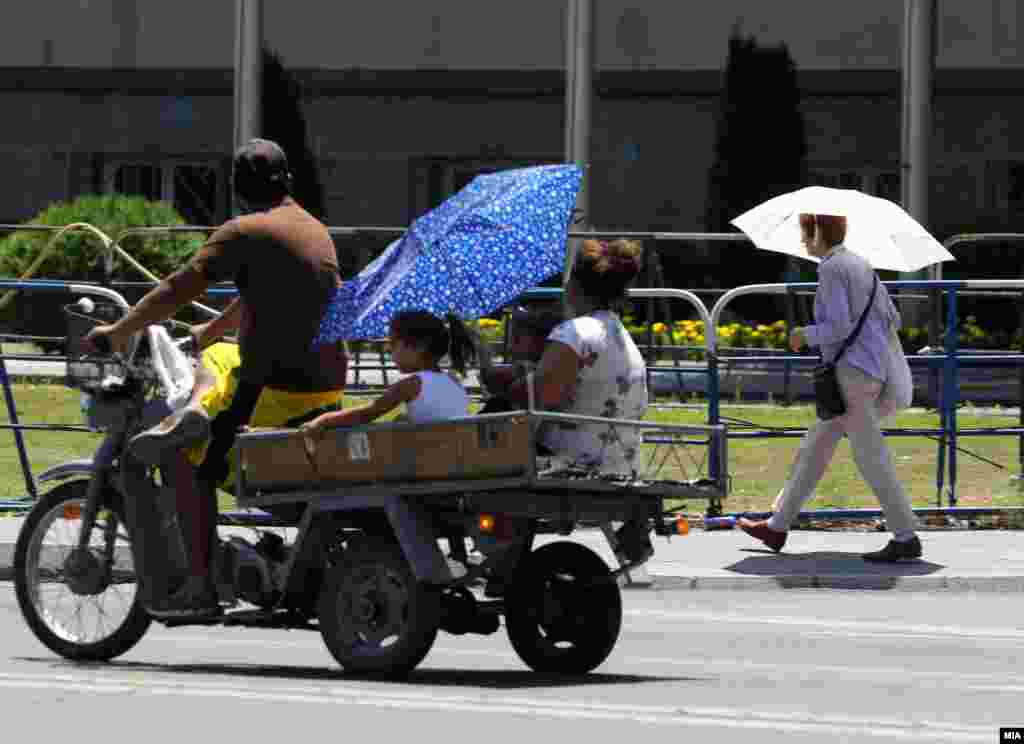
(877, 229)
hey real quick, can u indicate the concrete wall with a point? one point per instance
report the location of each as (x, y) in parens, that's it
(652, 155)
(490, 34)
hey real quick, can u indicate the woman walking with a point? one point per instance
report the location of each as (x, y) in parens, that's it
(855, 327)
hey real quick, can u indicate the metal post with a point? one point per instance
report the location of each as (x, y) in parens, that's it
(1020, 397)
(951, 392)
(12, 416)
(579, 60)
(248, 69)
(918, 66)
(787, 369)
(715, 463)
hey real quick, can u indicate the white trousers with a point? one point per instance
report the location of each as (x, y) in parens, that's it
(868, 401)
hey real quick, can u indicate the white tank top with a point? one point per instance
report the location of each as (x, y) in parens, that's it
(440, 398)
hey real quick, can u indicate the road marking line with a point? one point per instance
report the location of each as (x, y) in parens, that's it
(1016, 689)
(832, 625)
(831, 725)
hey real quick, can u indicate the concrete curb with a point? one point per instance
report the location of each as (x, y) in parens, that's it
(660, 583)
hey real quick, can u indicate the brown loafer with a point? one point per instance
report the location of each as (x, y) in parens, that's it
(761, 531)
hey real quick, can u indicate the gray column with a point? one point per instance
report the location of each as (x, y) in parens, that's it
(579, 45)
(248, 69)
(918, 68)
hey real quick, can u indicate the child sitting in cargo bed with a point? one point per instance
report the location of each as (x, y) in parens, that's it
(528, 333)
(419, 340)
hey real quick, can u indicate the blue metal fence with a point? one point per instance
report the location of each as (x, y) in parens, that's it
(948, 363)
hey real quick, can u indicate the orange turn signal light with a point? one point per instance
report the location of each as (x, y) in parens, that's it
(683, 526)
(487, 523)
(72, 511)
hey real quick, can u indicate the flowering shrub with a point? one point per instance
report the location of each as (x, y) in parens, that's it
(690, 334)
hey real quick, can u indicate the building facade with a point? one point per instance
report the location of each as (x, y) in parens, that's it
(406, 101)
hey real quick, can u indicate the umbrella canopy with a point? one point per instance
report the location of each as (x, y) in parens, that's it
(499, 236)
(877, 229)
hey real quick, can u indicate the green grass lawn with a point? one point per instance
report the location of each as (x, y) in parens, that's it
(758, 467)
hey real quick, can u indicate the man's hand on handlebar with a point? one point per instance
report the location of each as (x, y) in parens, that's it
(103, 339)
(201, 332)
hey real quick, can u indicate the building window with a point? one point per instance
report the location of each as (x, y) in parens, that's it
(1015, 195)
(195, 189)
(874, 181)
(435, 179)
(139, 179)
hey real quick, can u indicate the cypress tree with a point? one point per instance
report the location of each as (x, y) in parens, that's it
(284, 122)
(760, 149)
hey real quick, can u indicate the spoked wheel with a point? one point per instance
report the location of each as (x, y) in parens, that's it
(375, 617)
(563, 610)
(80, 604)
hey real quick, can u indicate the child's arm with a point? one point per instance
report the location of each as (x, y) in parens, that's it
(402, 391)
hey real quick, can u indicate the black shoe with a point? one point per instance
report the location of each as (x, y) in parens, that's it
(196, 600)
(188, 426)
(896, 551)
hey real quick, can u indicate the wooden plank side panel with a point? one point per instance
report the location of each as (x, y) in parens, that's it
(455, 451)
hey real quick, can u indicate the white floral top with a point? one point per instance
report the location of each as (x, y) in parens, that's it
(612, 383)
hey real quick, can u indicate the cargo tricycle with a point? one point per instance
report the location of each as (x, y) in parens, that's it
(377, 537)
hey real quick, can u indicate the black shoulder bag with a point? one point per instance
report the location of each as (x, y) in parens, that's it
(827, 395)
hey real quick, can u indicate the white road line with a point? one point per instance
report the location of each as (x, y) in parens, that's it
(832, 625)
(662, 715)
(1012, 689)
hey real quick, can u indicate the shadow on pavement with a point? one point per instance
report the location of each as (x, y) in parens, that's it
(826, 563)
(498, 679)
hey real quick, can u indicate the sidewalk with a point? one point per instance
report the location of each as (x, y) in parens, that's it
(960, 560)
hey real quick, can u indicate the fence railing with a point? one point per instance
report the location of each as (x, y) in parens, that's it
(949, 360)
(945, 364)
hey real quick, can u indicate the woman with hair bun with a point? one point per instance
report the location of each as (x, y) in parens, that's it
(591, 366)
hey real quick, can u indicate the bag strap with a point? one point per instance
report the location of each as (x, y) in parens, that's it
(860, 323)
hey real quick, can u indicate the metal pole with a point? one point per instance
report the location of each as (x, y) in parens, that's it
(248, 69)
(19, 440)
(918, 67)
(579, 90)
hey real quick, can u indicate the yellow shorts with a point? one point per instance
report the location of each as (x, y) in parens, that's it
(274, 408)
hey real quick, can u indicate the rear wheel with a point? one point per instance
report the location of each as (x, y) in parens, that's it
(81, 604)
(563, 609)
(375, 617)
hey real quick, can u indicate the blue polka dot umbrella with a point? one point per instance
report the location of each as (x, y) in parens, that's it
(499, 236)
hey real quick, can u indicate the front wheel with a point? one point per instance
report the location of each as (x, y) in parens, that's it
(81, 605)
(563, 609)
(375, 617)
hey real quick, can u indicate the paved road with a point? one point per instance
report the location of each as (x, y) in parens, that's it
(785, 666)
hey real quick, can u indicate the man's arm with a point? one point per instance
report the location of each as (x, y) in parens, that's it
(213, 330)
(177, 290)
(216, 260)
